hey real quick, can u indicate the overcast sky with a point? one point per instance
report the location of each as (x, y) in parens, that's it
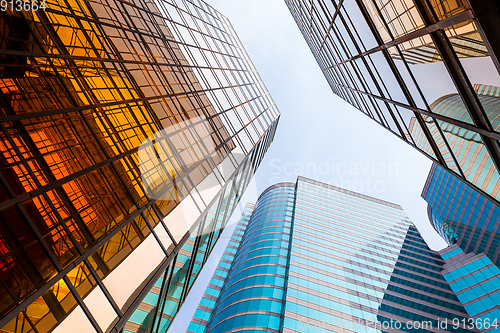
(319, 136)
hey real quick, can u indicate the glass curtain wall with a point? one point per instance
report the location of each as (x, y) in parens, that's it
(426, 70)
(122, 124)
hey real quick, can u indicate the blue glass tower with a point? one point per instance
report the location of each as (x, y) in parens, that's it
(315, 256)
(476, 282)
(461, 215)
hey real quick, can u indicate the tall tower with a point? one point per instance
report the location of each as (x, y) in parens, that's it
(129, 131)
(314, 256)
(396, 60)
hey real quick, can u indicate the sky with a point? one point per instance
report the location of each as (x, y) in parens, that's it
(319, 136)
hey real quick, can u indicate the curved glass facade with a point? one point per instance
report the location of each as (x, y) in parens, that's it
(253, 293)
(461, 215)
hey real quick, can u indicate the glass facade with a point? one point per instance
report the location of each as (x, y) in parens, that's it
(476, 282)
(465, 145)
(129, 131)
(426, 70)
(315, 257)
(213, 290)
(461, 215)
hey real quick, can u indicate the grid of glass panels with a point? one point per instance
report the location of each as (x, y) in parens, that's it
(476, 282)
(212, 293)
(83, 84)
(358, 263)
(461, 215)
(253, 292)
(399, 61)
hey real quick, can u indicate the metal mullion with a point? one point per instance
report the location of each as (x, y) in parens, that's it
(215, 18)
(337, 11)
(47, 171)
(340, 38)
(111, 60)
(77, 261)
(103, 42)
(82, 304)
(470, 98)
(446, 119)
(132, 79)
(347, 77)
(134, 225)
(27, 318)
(160, 215)
(66, 270)
(53, 185)
(241, 89)
(486, 15)
(235, 93)
(299, 19)
(131, 4)
(93, 98)
(427, 106)
(351, 76)
(213, 72)
(224, 89)
(461, 82)
(114, 169)
(44, 194)
(303, 10)
(160, 244)
(399, 79)
(443, 24)
(98, 105)
(100, 283)
(118, 325)
(367, 88)
(167, 278)
(144, 133)
(35, 230)
(37, 234)
(197, 97)
(194, 254)
(369, 69)
(123, 183)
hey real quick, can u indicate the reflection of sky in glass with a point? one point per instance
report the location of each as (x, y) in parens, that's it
(363, 228)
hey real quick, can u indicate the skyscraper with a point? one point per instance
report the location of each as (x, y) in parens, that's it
(461, 215)
(400, 61)
(129, 131)
(313, 256)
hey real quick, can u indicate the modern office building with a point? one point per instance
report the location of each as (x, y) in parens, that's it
(313, 257)
(129, 131)
(461, 215)
(401, 61)
(476, 282)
